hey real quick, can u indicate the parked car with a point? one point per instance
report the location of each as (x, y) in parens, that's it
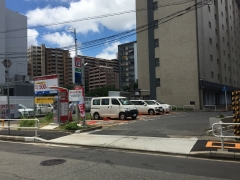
(147, 107)
(24, 111)
(113, 107)
(44, 108)
(167, 107)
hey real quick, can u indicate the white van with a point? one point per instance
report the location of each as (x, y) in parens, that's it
(113, 107)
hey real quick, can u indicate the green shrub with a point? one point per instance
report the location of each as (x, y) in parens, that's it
(72, 126)
(26, 123)
(47, 119)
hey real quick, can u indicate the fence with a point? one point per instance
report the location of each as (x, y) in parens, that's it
(221, 132)
(209, 106)
(192, 106)
(174, 106)
(12, 127)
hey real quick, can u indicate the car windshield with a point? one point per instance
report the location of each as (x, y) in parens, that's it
(22, 106)
(125, 101)
(150, 102)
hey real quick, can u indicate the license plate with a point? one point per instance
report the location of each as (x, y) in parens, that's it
(134, 115)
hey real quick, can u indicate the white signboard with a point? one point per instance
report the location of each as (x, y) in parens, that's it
(75, 95)
(41, 83)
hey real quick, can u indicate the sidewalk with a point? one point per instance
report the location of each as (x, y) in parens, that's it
(190, 146)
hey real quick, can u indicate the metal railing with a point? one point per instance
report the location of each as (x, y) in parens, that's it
(12, 127)
(189, 106)
(174, 106)
(221, 132)
(209, 106)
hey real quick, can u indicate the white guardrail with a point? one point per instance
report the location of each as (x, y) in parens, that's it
(174, 106)
(192, 106)
(221, 132)
(209, 106)
(12, 127)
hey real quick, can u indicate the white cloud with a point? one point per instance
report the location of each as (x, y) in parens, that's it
(110, 51)
(32, 37)
(86, 8)
(60, 39)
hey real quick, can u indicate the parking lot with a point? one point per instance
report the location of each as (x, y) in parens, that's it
(174, 124)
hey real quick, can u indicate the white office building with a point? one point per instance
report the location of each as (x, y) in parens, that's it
(13, 43)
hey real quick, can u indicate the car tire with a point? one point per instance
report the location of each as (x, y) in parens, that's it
(151, 112)
(20, 115)
(122, 116)
(163, 111)
(133, 118)
(96, 116)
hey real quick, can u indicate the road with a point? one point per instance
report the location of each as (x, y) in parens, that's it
(174, 124)
(26, 161)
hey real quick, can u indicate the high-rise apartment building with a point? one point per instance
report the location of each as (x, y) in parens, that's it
(102, 75)
(92, 68)
(13, 45)
(127, 58)
(189, 59)
(46, 61)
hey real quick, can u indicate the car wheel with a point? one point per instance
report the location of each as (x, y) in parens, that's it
(39, 111)
(96, 116)
(133, 118)
(151, 112)
(122, 116)
(20, 115)
(163, 111)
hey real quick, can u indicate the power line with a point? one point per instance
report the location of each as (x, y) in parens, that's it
(132, 32)
(95, 17)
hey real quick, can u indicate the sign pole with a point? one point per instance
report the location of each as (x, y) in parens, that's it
(226, 99)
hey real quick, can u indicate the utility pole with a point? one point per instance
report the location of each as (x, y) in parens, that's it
(75, 40)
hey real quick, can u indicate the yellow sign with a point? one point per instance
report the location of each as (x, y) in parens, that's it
(44, 100)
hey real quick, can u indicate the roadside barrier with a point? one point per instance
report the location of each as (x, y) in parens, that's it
(209, 106)
(221, 132)
(192, 106)
(12, 127)
(174, 106)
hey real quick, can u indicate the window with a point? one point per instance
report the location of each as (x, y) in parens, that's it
(222, 14)
(217, 61)
(225, 79)
(158, 82)
(211, 57)
(210, 25)
(223, 39)
(224, 52)
(209, 9)
(155, 5)
(216, 46)
(105, 102)
(156, 43)
(225, 66)
(156, 24)
(229, 68)
(212, 75)
(157, 63)
(96, 102)
(115, 102)
(222, 26)
(218, 76)
(210, 40)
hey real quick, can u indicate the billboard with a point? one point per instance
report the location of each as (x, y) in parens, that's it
(41, 83)
(13, 108)
(77, 71)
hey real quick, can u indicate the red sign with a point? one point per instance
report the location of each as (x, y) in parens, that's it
(78, 62)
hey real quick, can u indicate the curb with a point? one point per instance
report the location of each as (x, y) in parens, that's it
(216, 154)
(22, 139)
(87, 130)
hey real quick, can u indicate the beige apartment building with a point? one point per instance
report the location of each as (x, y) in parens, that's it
(46, 61)
(189, 59)
(102, 75)
(92, 69)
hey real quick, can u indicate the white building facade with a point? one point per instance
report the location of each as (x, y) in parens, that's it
(13, 42)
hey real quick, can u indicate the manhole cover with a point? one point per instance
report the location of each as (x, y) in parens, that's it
(53, 162)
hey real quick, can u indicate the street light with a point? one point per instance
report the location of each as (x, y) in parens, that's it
(7, 63)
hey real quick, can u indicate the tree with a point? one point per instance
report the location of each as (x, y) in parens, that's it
(101, 91)
(69, 86)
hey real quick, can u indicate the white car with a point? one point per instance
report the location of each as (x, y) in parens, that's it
(167, 108)
(24, 111)
(147, 107)
(44, 108)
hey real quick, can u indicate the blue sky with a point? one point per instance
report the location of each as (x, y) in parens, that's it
(41, 12)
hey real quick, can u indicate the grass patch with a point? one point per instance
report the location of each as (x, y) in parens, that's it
(72, 126)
